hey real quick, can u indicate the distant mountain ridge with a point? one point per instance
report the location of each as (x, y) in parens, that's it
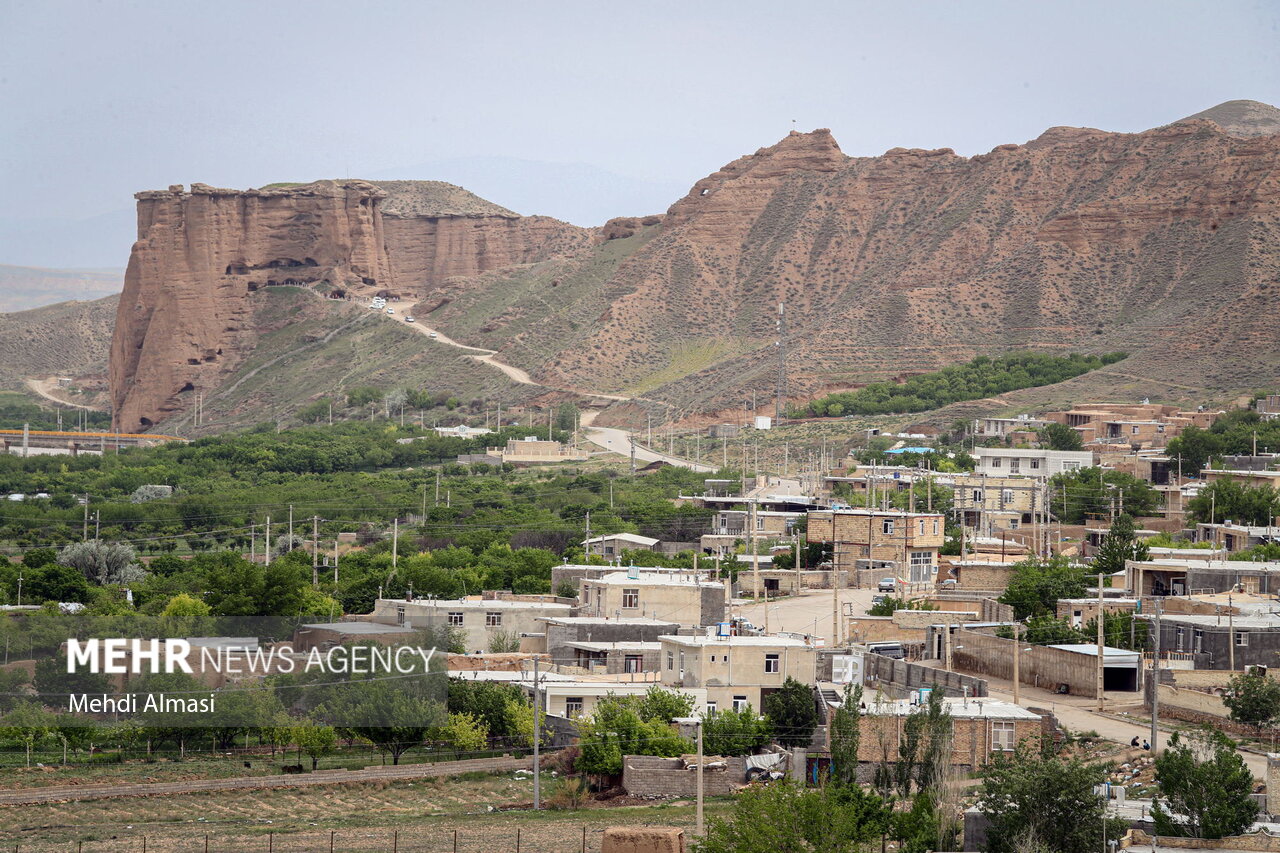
(1244, 119)
(23, 288)
(1164, 244)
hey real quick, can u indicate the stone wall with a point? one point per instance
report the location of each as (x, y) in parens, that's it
(900, 677)
(652, 776)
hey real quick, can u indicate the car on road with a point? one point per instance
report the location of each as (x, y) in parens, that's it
(432, 335)
(408, 319)
(878, 599)
(391, 310)
(887, 585)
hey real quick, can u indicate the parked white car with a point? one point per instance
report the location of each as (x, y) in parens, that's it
(408, 319)
(391, 310)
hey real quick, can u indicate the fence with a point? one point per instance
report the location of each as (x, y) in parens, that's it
(533, 838)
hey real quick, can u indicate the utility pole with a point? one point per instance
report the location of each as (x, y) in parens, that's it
(315, 550)
(335, 559)
(1231, 636)
(633, 456)
(84, 533)
(835, 595)
(97, 525)
(253, 530)
(698, 824)
(395, 542)
(1017, 656)
(755, 558)
(290, 525)
(537, 763)
(1101, 646)
(267, 556)
(437, 487)
(1155, 687)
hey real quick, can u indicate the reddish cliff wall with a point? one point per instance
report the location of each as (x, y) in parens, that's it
(184, 324)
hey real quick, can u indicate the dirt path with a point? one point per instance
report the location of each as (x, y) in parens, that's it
(43, 386)
(62, 793)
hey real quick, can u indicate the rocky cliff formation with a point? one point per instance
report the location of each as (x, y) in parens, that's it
(1162, 243)
(184, 321)
(1165, 244)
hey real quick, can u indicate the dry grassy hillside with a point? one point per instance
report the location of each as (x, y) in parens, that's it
(67, 339)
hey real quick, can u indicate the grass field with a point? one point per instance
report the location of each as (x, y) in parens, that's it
(486, 811)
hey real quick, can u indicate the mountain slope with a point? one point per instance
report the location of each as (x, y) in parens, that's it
(1243, 118)
(1163, 244)
(67, 339)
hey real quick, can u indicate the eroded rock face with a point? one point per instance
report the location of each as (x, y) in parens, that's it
(1161, 243)
(184, 321)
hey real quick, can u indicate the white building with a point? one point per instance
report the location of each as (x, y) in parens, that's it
(1018, 461)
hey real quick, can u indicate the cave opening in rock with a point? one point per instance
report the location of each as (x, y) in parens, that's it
(187, 387)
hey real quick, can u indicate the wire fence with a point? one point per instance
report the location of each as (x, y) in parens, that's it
(535, 837)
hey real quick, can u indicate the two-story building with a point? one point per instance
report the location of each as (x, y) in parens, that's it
(988, 504)
(735, 671)
(1028, 462)
(872, 538)
(687, 599)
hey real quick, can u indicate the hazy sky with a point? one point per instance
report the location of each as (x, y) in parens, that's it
(615, 109)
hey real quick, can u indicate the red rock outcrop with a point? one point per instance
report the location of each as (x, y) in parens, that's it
(183, 323)
(1164, 244)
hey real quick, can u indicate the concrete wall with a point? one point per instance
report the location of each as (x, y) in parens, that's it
(651, 776)
(921, 619)
(987, 654)
(872, 629)
(900, 677)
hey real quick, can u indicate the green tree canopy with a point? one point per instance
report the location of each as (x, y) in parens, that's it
(732, 732)
(1253, 698)
(792, 713)
(1205, 788)
(1037, 584)
(1031, 799)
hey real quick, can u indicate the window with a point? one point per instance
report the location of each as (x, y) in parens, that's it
(711, 709)
(1002, 737)
(759, 521)
(1070, 466)
(1006, 495)
(922, 527)
(935, 527)
(1197, 641)
(995, 462)
(977, 496)
(455, 618)
(630, 599)
(1179, 635)
(771, 663)
(1015, 466)
(887, 526)
(1242, 639)
(1135, 430)
(739, 703)
(399, 615)
(493, 619)
(573, 706)
(671, 660)
(632, 663)
(1035, 464)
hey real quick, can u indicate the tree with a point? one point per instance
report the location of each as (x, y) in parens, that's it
(846, 732)
(1118, 546)
(1205, 788)
(792, 713)
(1252, 698)
(502, 641)
(787, 817)
(1077, 494)
(56, 582)
(315, 740)
(103, 562)
(732, 732)
(392, 720)
(1061, 437)
(890, 604)
(37, 557)
(1228, 499)
(616, 727)
(1037, 584)
(185, 616)
(1197, 447)
(1032, 799)
(466, 733)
